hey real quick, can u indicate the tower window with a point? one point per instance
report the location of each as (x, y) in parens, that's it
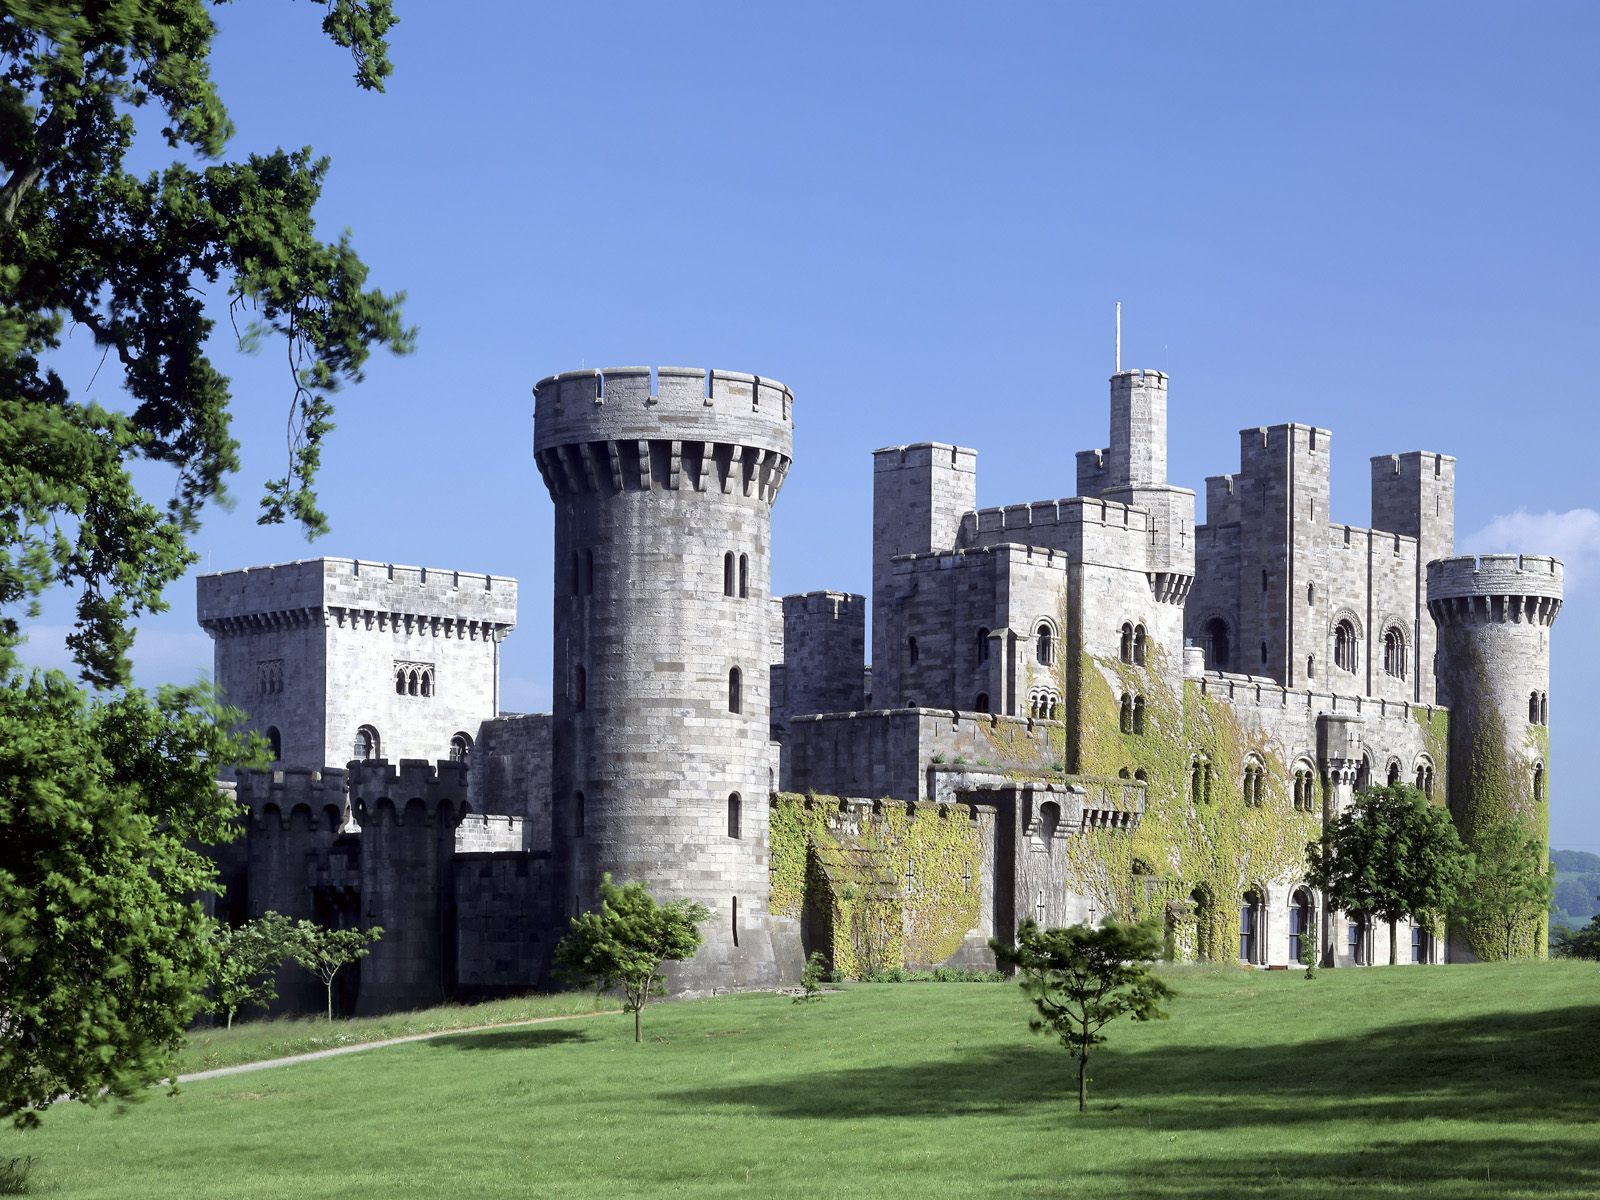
(734, 805)
(911, 651)
(735, 689)
(1394, 652)
(1138, 714)
(1127, 641)
(727, 573)
(1214, 637)
(983, 645)
(460, 748)
(366, 745)
(744, 576)
(275, 743)
(1538, 782)
(588, 572)
(1044, 644)
(578, 814)
(1138, 645)
(1344, 646)
(981, 704)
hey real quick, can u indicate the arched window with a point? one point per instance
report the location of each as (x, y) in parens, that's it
(1049, 822)
(1138, 645)
(400, 683)
(735, 690)
(983, 647)
(580, 689)
(1200, 899)
(578, 814)
(427, 682)
(1533, 708)
(1425, 776)
(1255, 781)
(1311, 666)
(1394, 774)
(1141, 776)
(460, 748)
(1305, 786)
(981, 704)
(1394, 652)
(1044, 644)
(1127, 641)
(734, 806)
(1249, 926)
(413, 683)
(366, 746)
(1300, 934)
(1544, 708)
(1344, 646)
(912, 653)
(1421, 945)
(1311, 593)
(274, 743)
(588, 572)
(1364, 775)
(1050, 706)
(1125, 722)
(727, 573)
(1124, 774)
(1538, 781)
(744, 576)
(1138, 714)
(1360, 939)
(1214, 638)
(1197, 780)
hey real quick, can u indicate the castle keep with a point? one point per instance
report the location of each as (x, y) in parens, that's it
(1074, 707)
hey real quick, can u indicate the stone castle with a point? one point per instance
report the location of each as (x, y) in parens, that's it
(1074, 707)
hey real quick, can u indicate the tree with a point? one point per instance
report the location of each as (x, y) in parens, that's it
(1082, 978)
(812, 977)
(1391, 855)
(104, 954)
(626, 942)
(1583, 942)
(103, 948)
(248, 957)
(325, 952)
(1510, 888)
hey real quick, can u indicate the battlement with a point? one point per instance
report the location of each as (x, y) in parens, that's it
(1015, 552)
(1078, 510)
(1139, 377)
(925, 454)
(284, 789)
(680, 406)
(1260, 691)
(1496, 589)
(833, 605)
(324, 591)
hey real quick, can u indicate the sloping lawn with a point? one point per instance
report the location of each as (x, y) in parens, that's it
(1447, 1082)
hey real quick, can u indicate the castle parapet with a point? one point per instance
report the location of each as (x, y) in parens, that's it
(1478, 589)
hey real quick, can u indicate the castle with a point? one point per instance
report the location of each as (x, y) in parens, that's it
(1074, 707)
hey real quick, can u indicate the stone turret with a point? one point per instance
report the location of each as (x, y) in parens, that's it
(663, 482)
(1494, 615)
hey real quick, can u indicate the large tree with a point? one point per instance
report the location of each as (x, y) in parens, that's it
(112, 784)
(1391, 854)
(1510, 890)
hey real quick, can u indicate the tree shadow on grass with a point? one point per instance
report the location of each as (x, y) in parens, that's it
(508, 1039)
(1502, 1067)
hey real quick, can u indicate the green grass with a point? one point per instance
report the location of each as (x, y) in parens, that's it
(1456, 1082)
(253, 1041)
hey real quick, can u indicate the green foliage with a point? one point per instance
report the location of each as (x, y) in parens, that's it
(1308, 955)
(1082, 978)
(1577, 894)
(325, 952)
(103, 948)
(1576, 943)
(937, 975)
(14, 1173)
(626, 942)
(812, 978)
(1509, 895)
(1392, 855)
(248, 957)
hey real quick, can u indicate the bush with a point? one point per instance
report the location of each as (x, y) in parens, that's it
(937, 975)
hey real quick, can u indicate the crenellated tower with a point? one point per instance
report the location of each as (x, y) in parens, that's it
(663, 482)
(1493, 614)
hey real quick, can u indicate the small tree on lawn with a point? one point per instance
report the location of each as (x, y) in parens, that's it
(325, 952)
(248, 958)
(1510, 889)
(1082, 978)
(1393, 855)
(624, 944)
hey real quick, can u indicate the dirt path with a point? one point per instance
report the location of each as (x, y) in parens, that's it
(313, 1055)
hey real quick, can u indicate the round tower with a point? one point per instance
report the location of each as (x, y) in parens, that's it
(1493, 615)
(663, 482)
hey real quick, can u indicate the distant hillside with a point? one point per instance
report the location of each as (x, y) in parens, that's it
(1577, 886)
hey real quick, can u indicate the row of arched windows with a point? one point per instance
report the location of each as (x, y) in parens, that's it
(1201, 775)
(1538, 708)
(1305, 786)
(1043, 704)
(1255, 782)
(736, 575)
(1394, 652)
(1345, 646)
(1131, 716)
(413, 681)
(367, 745)
(269, 676)
(1133, 643)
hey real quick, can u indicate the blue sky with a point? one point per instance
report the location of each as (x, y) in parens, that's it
(1378, 219)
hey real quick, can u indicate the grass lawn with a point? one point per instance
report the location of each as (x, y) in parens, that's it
(1447, 1082)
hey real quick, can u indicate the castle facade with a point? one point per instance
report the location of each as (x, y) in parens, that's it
(1074, 707)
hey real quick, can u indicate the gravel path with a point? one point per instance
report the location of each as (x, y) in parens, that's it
(313, 1055)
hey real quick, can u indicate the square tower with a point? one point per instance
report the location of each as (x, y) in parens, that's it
(335, 658)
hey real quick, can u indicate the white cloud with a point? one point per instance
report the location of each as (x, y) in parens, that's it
(1572, 536)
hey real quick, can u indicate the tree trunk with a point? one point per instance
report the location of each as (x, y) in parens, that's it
(636, 1011)
(1394, 939)
(229, 1025)
(330, 997)
(1083, 1083)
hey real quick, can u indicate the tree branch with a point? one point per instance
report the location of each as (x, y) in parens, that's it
(46, 138)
